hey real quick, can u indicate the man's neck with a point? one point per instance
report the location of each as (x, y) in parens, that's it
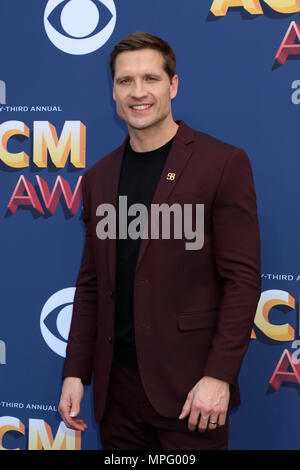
(152, 138)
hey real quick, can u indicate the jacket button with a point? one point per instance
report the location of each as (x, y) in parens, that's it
(112, 294)
(110, 340)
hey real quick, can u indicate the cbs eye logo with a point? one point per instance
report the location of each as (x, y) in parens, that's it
(60, 303)
(79, 20)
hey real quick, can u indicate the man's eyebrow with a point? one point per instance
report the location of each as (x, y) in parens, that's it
(146, 75)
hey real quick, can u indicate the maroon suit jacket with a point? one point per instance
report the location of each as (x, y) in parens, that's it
(193, 310)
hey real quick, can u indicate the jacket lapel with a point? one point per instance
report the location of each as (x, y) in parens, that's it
(177, 159)
(112, 193)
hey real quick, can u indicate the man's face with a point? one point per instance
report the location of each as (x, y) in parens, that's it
(142, 89)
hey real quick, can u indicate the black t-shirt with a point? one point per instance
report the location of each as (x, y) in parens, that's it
(140, 174)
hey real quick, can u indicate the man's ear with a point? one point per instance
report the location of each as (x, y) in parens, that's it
(174, 86)
(114, 96)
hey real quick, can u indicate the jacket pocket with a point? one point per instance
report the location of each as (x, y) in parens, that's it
(195, 320)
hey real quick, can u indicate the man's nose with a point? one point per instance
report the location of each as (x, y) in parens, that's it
(138, 90)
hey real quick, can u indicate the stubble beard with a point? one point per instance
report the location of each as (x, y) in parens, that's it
(150, 125)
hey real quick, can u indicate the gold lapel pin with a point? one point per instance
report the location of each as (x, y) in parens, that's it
(171, 176)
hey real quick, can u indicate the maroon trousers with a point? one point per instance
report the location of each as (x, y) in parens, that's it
(131, 423)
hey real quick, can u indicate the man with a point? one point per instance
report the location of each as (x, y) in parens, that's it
(163, 328)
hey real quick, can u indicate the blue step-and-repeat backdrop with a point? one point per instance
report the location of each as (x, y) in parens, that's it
(239, 80)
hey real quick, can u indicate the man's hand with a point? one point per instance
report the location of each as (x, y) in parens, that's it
(69, 405)
(208, 399)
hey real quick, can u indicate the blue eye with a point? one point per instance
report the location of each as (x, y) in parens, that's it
(79, 26)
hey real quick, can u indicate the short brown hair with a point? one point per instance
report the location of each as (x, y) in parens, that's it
(141, 40)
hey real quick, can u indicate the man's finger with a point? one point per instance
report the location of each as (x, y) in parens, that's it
(193, 419)
(213, 421)
(186, 407)
(75, 409)
(68, 415)
(74, 423)
(222, 418)
(202, 426)
(78, 424)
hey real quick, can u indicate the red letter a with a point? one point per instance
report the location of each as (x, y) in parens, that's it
(18, 198)
(288, 46)
(281, 373)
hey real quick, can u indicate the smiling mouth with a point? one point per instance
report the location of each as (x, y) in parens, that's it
(141, 107)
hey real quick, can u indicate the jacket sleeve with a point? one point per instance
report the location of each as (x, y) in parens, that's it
(237, 254)
(82, 335)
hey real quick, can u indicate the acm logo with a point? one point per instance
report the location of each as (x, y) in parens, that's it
(40, 435)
